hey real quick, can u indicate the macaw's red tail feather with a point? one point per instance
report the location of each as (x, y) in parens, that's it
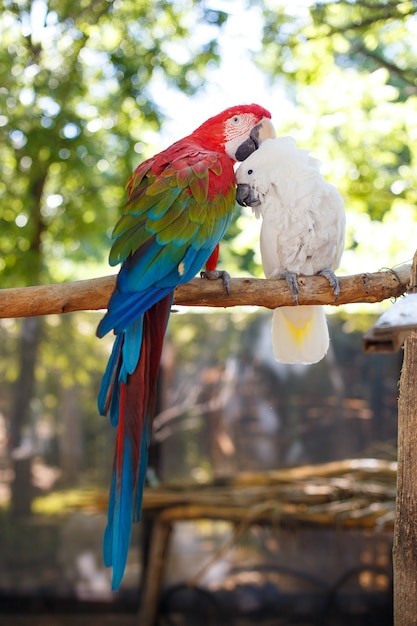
(135, 393)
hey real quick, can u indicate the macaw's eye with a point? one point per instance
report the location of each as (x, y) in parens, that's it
(250, 172)
(236, 120)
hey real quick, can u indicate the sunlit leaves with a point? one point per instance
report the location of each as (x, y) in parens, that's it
(350, 68)
(76, 110)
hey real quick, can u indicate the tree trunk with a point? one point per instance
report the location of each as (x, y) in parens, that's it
(28, 352)
(24, 389)
(71, 443)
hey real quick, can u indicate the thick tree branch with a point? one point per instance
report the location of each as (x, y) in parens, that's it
(94, 294)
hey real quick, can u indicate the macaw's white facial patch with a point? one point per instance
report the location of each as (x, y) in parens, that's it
(237, 130)
(243, 135)
(239, 125)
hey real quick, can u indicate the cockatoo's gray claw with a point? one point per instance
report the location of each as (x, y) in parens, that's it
(291, 278)
(333, 281)
(215, 274)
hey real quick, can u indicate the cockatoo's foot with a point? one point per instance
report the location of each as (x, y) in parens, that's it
(215, 274)
(333, 281)
(291, 278)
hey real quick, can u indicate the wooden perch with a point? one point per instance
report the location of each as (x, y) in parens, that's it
(356, 493)
(94, 294)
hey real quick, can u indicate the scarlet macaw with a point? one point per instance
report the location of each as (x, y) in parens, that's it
(303, 229)
(180, 203)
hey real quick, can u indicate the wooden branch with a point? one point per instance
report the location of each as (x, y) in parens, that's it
(94, 294)
(148, 607)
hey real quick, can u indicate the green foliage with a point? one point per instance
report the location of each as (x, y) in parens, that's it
(76, 92)
(349, 68)
(78, 112)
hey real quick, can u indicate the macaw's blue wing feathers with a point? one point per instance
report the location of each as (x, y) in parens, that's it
(127, 307)
(132, 345)
(110, 377)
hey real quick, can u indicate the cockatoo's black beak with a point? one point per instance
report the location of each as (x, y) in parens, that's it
(246, 196)
(263, 130)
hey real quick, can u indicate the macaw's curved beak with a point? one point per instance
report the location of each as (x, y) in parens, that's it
(263, 130)
(246, 196)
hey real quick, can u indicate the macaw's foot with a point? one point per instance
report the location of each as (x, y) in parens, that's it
(215, 274)
(291, 278)
(333, 281)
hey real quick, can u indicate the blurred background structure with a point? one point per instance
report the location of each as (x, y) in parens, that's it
(87, 91)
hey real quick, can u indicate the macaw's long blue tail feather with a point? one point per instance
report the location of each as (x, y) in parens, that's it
(128, 393)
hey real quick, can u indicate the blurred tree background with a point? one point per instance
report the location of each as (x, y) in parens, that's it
(351, 69)
(85, 95)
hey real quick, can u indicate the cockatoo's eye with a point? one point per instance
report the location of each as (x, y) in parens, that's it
(250, 172)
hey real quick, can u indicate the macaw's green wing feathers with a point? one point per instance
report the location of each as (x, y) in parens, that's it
(199, 188)
(169, 205)
(216, 168)
(161, 184)
(201, 168)
(184, 177)
(155, 261)
(158, 220)
(176, 214)
(135, 181)
(134, 237)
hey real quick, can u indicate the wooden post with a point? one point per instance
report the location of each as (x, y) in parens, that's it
(405, 529)
(151, 588)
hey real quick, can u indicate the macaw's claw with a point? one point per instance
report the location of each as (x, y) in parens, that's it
(291, 278)
(215, 274)
(333, 281)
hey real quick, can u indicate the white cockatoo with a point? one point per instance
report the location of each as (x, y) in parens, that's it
(302, 232)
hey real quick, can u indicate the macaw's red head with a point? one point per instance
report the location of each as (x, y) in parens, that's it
(237, 131)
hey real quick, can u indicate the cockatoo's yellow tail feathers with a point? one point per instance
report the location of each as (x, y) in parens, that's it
(299, 334)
